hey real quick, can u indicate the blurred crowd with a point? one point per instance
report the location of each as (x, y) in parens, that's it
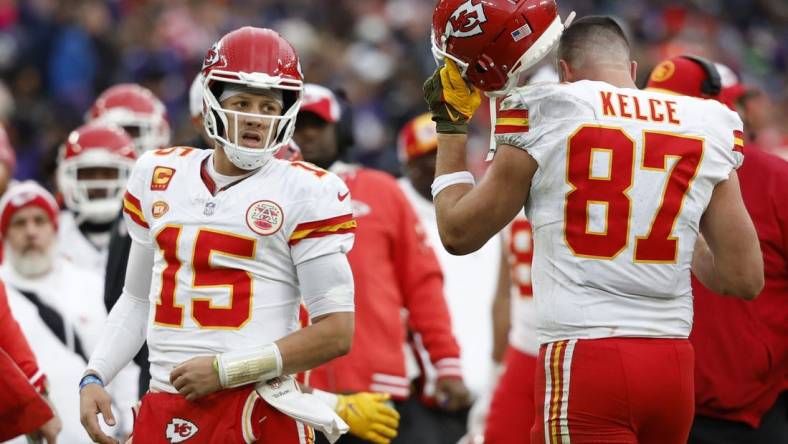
(57, 55)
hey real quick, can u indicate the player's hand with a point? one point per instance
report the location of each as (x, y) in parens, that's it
(195, 378)
(452, 394)
(369, 416)
(451, 99)
(93, 399)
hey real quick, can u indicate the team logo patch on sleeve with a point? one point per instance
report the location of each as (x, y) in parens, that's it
(161, 178)
(738, 141)
(159, 208)
(511, 121)
(264, 217)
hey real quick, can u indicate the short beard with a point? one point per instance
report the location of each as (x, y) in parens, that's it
(33, 263)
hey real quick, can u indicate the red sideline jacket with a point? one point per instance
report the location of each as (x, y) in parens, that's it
(393, 268)
(22, 408)
(741, 347)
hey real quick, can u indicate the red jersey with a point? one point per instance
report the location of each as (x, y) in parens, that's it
(742, 346)
(394, 269)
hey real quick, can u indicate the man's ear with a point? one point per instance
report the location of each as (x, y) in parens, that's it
(564, 71)
(633, 68)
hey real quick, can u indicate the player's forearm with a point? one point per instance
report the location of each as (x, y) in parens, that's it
(458, 210)
(734, 280)
(733, 264)
(703, 266)
(327, 338)
(501, 309)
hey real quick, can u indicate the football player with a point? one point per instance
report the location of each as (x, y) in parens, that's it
(617, 183)
(138, 111)
(226, 242)
(93, 165)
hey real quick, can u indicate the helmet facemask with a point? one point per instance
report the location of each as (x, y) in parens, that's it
(218, 119)
(148, 131)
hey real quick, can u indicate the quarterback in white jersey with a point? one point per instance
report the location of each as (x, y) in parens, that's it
(225, 245)
(225, 273)
(617, 183)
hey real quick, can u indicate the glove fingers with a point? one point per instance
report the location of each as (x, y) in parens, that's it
(389, 421)
(383, 430)
(453, 81)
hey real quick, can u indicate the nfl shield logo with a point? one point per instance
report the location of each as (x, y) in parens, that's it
(209, 207)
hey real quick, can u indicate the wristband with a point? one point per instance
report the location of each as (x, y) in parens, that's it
(241, 367)
(90, 379)
(446, 180)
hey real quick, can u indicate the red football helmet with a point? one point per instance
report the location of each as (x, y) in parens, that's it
(492, 41)
(85, 178)
(138, 111)
(251, 58)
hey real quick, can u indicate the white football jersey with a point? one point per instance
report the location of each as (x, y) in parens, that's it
(224, 275)
(624, 177)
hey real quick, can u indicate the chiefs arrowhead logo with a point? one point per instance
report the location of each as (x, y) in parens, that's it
(213, 57)
(179, 430)
(466, 20)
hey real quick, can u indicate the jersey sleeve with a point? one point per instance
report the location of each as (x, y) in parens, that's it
(325, 222)
(529, 114)
(133, 210)
(727, 141)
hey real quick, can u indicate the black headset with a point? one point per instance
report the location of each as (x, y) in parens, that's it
(712, 85)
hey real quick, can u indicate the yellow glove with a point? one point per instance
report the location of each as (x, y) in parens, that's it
(451, 99)
(368, 416)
